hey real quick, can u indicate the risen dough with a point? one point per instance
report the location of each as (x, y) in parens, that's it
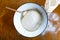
(31, 20)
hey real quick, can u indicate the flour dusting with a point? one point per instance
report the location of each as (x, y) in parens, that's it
(50, 27)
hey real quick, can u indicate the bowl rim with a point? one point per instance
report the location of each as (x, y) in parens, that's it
(42, 8)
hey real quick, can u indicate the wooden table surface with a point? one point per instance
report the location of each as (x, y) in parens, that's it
(7, 29)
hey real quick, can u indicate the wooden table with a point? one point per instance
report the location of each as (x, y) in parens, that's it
(7, 29)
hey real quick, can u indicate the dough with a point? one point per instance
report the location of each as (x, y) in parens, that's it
(32, 20)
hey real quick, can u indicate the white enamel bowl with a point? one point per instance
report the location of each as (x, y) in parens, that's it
(17, 20)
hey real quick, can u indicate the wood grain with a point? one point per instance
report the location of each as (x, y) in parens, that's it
(7, 29)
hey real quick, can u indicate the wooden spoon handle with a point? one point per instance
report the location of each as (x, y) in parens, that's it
(12, 9)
